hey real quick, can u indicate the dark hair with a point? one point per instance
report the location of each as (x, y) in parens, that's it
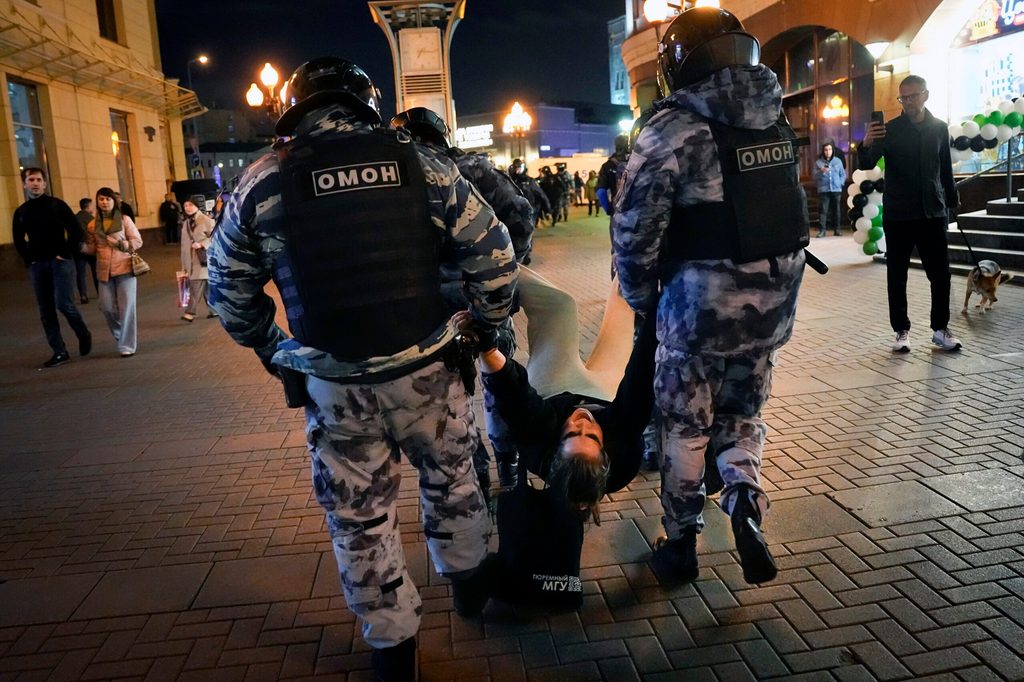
(914, 80)
(581, 481)
(109, 193)
(31, 170)
(84, 202)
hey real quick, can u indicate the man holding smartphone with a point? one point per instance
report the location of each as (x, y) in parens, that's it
(919, 193)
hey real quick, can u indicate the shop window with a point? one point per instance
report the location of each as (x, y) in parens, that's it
(833, 59)
(800, 65)
(29, 138)
(107, 16)
(121, 148)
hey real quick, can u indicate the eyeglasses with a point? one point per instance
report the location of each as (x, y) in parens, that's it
(912, 96)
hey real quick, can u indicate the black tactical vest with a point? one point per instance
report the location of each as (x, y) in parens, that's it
(764, 213)
(361, 278)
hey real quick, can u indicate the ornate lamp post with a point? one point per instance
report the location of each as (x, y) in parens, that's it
(517, 123)
(265, 98)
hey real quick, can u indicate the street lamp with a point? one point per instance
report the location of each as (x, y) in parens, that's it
(265, 97)
(201, 59)
(517, 124)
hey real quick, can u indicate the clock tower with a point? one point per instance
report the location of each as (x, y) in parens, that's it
(419, 33)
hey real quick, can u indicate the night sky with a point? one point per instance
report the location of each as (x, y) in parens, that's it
(531, 50)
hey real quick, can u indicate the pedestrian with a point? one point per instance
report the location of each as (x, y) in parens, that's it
(918, 196)
(353, 222)
(82, 258)
(196, 230)
(577, 185)
(47, 236)
(124, 207)
(831, 176)
(725, 298)
(112, 238)
(591, 194)
(169, 214)
(610, 172)
(514, 211)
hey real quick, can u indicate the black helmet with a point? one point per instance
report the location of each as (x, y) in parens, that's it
(700, 41)
(560, 166)
(517, 166)
(621, 143)
(424, 126)
(545, 170)
(324, 81)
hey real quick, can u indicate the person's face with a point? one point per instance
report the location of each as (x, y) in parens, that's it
(105, 203)
(912, 98)
(827, 151)
(189, 208)
(35, 185)
(581, 435)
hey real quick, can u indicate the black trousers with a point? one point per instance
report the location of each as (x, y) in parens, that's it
(929, 236)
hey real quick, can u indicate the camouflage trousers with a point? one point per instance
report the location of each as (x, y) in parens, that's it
(356, 434)
(562, 208)
(714, 400)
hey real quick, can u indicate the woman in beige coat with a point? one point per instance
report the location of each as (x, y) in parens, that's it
(112, 237)
(196, 230)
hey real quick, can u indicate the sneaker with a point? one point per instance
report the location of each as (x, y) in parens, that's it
(395, 663)
(755, 557)
(945, 340)
(821, 233)
(902, 342)
(85, 345)
(57, 359)
(470, 595)
(675, 561)
(127, 353)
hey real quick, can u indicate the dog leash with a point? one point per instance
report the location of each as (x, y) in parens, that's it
(969, 249)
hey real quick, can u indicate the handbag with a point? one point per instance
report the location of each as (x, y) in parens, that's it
(539, 545)
(139, 266)
(200, 252)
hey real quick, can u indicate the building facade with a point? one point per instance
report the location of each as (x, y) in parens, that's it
(970, 52)
(85, 98)
(618, 77)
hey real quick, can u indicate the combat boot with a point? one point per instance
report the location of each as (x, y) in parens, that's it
(508, 468)
(395, 663)
(755, 557)
(675, 561)
(470, 594)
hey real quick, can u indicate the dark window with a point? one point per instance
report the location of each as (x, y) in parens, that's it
(107, 19)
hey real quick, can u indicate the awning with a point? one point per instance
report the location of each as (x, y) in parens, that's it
(43, 45)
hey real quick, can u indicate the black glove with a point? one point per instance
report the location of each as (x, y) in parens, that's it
(486, 340)
(271, 368)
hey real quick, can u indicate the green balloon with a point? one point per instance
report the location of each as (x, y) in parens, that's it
(1012, 119)
(870, 248)
(875, 233)
(996, 118)
(876, 221)
(980, 119)
(881, 162)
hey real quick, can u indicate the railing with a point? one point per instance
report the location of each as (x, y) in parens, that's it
(1008, 162)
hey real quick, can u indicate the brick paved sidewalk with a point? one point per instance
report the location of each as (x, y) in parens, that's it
(157, 521)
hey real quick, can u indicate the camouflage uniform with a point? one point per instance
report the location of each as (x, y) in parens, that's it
(719, 322)
(534, 194)
(357, 427)
(563, 199)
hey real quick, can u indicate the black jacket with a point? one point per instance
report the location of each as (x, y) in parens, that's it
(45, 228)
(537, 422)
(918, 169)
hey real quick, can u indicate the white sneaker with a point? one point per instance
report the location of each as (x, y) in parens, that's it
(945, 340)
(902, 343)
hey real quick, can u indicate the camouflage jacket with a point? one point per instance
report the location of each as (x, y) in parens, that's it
(532, 191)
(252, 234)
(504, 196)
(707, 307)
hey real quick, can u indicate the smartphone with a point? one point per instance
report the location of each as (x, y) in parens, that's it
(878, 117)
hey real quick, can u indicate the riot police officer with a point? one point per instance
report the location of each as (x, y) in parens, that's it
(563, 199)
(532, 191)
(513, 209)
(353, 221)
(610, 172)
(554, 189)
(691, 221)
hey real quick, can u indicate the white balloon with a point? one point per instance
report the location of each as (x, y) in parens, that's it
(955, 130)
(988, 131)
(849, 201)
(854, 189)
(971, 128)
(859, 176)
(870, 210)
(875, 198)
(875, 174)
(1004, 133)
(860, 236)
(862, 224)
(1018, 106)
(1016, 130)
(881, 243)
(1005, 107)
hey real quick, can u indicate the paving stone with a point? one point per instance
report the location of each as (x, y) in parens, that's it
(761, 658)
(43, 600)
(807, 518)
(612, 543)
(144, 590)
(892, 503)
(1006, 662)
(880, 661)
(980, 490)
(254, 581)
(939, 661)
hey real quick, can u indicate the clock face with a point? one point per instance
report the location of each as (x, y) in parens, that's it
(420, 50)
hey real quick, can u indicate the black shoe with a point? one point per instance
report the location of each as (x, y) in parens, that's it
(470, 595)
(57, 359)
(395, 663)
(650, 461)
(85, 345)
(755, 557)
(508, 468)
(675, 561)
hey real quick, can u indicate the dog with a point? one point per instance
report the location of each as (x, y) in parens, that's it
(984, 279)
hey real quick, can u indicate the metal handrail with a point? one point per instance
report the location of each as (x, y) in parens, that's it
(1008, 162)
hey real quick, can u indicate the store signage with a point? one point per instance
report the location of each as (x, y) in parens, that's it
(472, 137)
(993, 19)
